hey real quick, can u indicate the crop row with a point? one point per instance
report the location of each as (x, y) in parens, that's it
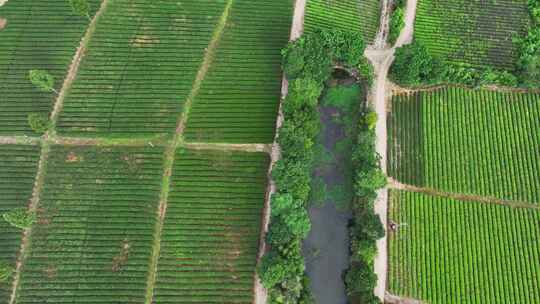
(37, 35)
(350, 15)
(95, 230)
(239, 97)
(18, 167)
(449, 251)
(472, 32)
(211, 231)
(472, 141)
(139, 68)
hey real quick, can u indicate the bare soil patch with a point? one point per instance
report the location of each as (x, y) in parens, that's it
(144, 41)
(3, 23)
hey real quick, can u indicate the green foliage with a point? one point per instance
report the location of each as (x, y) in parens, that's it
(39, 123)
(345, 98)
(42, 80)
(20, 218)
(365, 70)
(80, 7)
(413, 65)
(360, 280)
(503, 78)
(370, 120)
(397, 23)
(6, 271)
(293, 214)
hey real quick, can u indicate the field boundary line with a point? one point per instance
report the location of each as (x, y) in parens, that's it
(170, 151)
(394, 299)
(32, 207)
(20, 140)
(264, 148)
(203, 69)
(393, 184)
(74, 67)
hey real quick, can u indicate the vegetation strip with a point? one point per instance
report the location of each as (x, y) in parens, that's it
(461, 196)
(170, 152)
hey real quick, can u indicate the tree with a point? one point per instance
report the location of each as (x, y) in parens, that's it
(5, 272)
(80, 7)
(413, 65)
(20, 218)
(39, 123)
(42, 80)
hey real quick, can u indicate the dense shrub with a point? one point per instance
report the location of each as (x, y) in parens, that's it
(5, 272)
(397, 23)
(20, 218)
(414, 66)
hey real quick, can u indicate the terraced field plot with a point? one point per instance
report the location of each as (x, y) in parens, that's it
(211, 231)
(94, 236)
(38, 35)
(477, 33)
(140, 67)
(468, 141)
(18, 167)
(351, 15)
(448, 251)
(239, 98)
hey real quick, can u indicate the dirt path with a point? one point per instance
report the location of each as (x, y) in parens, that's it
(381, 57)
(170, 151)
(74, 67)
(297, 28)
(393, 184)
(2, 2)
(266, 148)
(392, 299)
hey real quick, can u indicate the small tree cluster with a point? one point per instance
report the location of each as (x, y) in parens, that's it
(20, 218)
(39, 123)
(42, 80)
(6, 271)
(80, 8)
(415, 66)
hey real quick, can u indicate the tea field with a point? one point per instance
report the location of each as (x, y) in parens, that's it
(96, 218)
(211, 231)
(140, 67)
(467, 141)
(18, 167)
(475, 33)
(449, 251)
(350, 15)
(239, 98)
(37, 35)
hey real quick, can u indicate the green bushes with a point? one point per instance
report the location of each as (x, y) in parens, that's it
(366, 227)
(397, 21)
(5, 272)
(20, 218)
(529, 48)
(39, 123)
(308, 63)
(415, 66)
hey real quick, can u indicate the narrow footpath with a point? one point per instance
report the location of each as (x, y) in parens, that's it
(381, 57)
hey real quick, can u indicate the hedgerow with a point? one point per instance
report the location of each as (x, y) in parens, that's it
(308, 63)
(397, 21)
(415, 66)
(529, 48)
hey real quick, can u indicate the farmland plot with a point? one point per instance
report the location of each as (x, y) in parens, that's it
(18, 167)
(239, 98)
(477, 33)
(350, 15)
(37, 35)
(140, 67)
(96, 219)
(468, 141)
(211, 231)
(448, 251)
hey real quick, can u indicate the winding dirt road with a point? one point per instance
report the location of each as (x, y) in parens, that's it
(382, 57)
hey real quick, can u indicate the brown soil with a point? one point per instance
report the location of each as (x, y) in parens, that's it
(72, 158)
(144, 41)
(122, 257)
(3, 23)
